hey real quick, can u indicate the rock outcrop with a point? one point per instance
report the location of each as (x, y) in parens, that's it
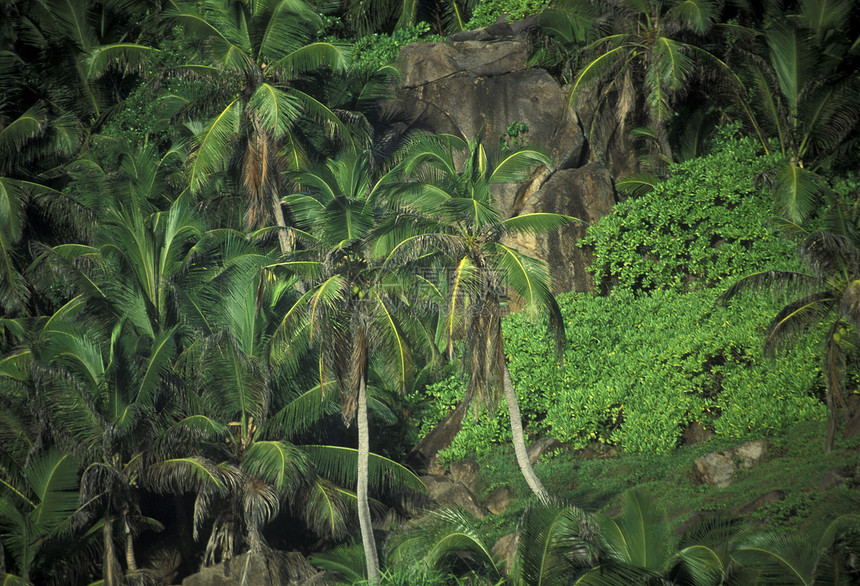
(260, 568)
(719, 468)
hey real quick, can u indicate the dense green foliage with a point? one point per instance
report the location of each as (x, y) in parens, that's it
(708, 222)
(638, 370)
(221, 245)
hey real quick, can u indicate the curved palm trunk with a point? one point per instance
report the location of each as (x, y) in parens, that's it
(130, 560)
(370, 556)
(111, 573)
(518, 439)
(283, 232)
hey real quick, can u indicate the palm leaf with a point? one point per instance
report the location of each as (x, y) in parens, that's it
(637, 184)
(340, 464)
(325, 509)
(515, 165)
(346, 561)
(774, 280)
(699, 14)
(537, 223)
(301, 412)
(312, 57)
(124, 56)
(278, 463)
(192, 473)
(440, 536)
(548, 535)
(214, 144)
(613, 573)
(793, 59)
(637, 535)
(54, 481)
(25, 127)
(277, 110)
(798, 316)
(157, 365)
(796, 192)
(778, 559)
(594, 70)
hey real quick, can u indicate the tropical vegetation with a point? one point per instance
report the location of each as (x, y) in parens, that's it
(235, 291)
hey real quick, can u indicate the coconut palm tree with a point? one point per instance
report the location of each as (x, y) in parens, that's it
(256, 53)
(453, 214)
(828, 294)
(562, 544)
(36, 510)
(644, 59)
(350, 307)
(444, 16)
(805, 93)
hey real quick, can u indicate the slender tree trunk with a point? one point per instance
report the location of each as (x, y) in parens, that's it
(130, 560)
(111, 573)
(370, 556)
(518, 439)
(283, 235)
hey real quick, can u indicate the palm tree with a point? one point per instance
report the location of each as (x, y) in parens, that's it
(256, 53)
(453, 214)
(829, 294)
(562, 544)
(645, 58)
(350, 307)
(805, 93)
(36, 510)
(445, 16)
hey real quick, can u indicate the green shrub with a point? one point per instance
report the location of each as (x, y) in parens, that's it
(709, 221)
(489, 11)
(639, 369)
(377, 50)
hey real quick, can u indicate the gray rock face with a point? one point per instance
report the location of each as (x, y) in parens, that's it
(499, 499)
(448, 493)
(719, 468)
(258, 569)
(470, 88)
(505, 549)
(586, 193)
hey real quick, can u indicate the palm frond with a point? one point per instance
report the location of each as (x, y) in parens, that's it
(340, 464)
(774, 280)
(797, 317)
(514, 166)
(346, 561)
(189, 474)
(302, 411)
(441, 536)
(537, 223)
(637, 184)
(312, 57)
(796, 192)
(778, 559)
(325, 509)
(213, 145)
(127, 57)
(278, 463)
(699, 14)
(594, 70)
(637, 536)
(548, 537)
(25, 127)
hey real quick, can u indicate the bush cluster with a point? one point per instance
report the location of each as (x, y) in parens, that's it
(707, 222)
(661, 352)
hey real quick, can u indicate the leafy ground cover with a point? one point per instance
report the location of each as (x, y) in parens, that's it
(596, 483)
